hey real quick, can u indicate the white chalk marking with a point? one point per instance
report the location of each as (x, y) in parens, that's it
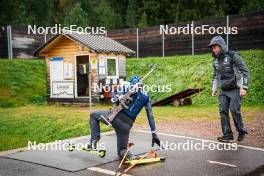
(225, 164)
(105, 171)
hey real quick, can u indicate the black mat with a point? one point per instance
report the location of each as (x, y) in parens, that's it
(79, 160)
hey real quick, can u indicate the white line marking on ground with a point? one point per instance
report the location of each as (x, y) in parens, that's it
(105, 171)
(205, 140)
(225, 164)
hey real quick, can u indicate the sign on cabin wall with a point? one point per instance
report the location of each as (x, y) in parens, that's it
(60, 73)
(62, 89)
(93, 63)
(101, 66)
(56, 69)
(68, 71)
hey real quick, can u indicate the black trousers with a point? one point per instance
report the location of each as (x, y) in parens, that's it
(231, 100)
(122, 125)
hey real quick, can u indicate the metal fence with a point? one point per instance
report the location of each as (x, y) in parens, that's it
(150, 42)
(16, 42)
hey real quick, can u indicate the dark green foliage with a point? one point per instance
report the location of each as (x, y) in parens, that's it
(118, 14)
(78, 16)
(132, 14)
(252, 6)
(107, 17)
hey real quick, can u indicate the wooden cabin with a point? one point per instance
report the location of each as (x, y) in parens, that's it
(73, 58)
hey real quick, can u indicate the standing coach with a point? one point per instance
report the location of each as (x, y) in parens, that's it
(231, 73)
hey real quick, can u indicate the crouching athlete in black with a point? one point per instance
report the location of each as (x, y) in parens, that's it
(124, 120)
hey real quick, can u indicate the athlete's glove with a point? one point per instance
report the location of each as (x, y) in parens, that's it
(155, 139)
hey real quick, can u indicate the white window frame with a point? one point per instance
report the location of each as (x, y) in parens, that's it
(117, 67)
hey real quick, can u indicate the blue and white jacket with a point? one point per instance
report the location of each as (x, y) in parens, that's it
(140, 100)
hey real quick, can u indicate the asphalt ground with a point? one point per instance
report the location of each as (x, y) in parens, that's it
(184, 156)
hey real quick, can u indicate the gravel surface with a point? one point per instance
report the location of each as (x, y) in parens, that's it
(207, 129)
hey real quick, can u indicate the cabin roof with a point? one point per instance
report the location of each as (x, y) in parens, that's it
(97, 43)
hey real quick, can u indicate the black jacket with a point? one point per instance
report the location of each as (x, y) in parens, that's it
(229, 68)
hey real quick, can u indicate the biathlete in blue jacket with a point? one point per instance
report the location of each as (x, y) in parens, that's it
(125, 119)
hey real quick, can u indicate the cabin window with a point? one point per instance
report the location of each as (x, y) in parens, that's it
(112, 67)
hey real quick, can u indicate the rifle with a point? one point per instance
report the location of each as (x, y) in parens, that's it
(125, 99)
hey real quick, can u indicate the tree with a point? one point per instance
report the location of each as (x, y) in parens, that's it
(38, 12)
(143, 21)
(77, 16)
(253, 6)
(119, 14)
(9, 12)
(131, 14)
(107, 16)
(81, 15)
(195, 10)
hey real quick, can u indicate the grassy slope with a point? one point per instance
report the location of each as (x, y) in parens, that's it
(22, 82)
(183, 72)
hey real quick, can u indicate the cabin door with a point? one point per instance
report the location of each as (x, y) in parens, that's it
(82, 75)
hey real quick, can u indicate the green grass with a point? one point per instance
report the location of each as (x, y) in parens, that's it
(42, 123)
(22, 82)
(182, 72)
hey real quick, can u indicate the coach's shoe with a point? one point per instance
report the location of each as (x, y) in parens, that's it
(225, 138)
(241, 136)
